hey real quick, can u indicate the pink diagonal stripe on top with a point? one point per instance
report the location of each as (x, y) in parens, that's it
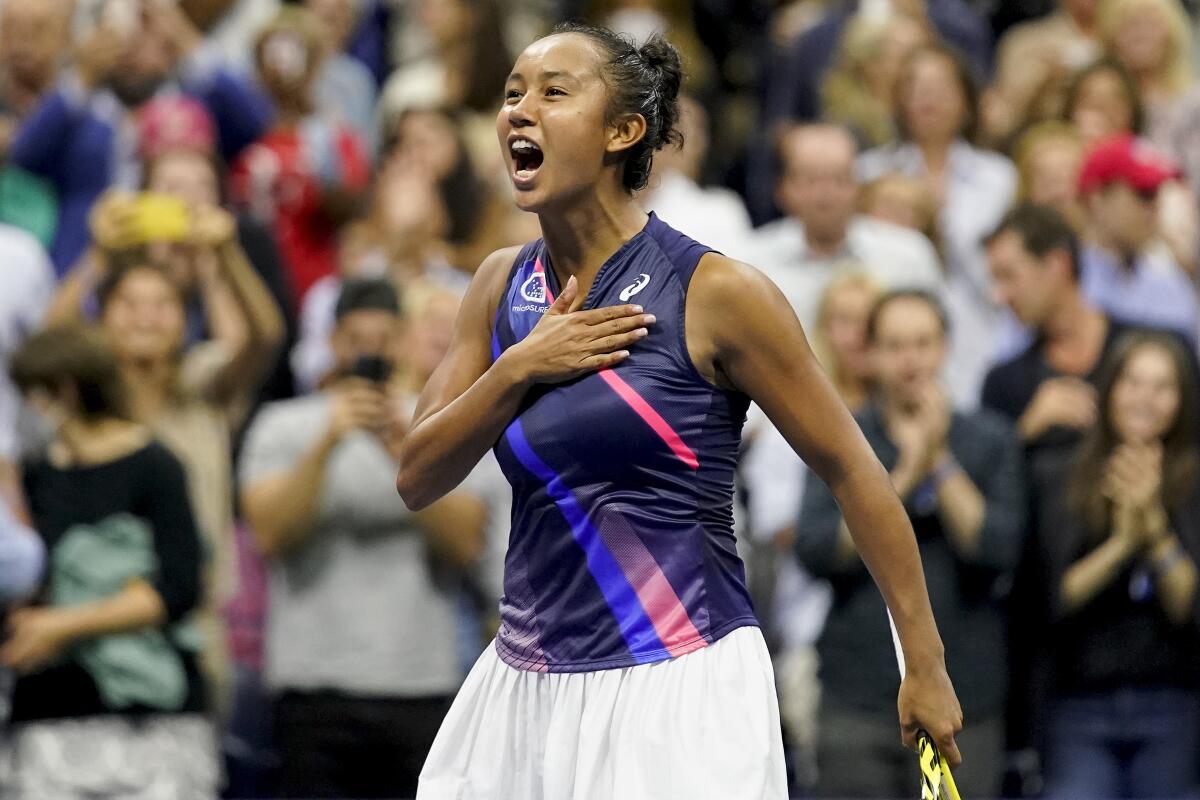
(650, 417)
(635, 400)
(664, 608)
(540, 270)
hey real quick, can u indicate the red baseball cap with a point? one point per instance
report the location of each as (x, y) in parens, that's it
(175, 122)
(1128, 160)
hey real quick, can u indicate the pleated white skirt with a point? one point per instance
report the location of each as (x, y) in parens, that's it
(704, 726)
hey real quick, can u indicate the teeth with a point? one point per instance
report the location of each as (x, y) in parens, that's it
(524, 146)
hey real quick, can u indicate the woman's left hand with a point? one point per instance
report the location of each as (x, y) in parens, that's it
(36, 636)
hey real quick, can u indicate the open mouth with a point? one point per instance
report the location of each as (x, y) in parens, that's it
(526, 158)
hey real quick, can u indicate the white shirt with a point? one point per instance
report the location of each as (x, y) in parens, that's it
(712, 216)
(896, 257)
(27, 278)
(980, 188)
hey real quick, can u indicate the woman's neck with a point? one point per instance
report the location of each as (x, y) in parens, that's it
(936, 153)
(82, 442)
(581, 238)
(149, 385)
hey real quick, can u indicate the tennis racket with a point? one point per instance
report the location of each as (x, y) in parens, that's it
(936, 781)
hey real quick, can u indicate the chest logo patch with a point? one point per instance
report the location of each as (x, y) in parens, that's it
(533, 289)
(635, 287)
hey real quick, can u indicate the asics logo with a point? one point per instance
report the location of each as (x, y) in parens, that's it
(635, 287)
(533, 289)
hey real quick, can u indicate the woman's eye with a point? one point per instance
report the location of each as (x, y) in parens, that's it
(512, 94)
(555, 91)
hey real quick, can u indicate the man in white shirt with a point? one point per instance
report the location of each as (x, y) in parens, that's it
(710, 214)
(822, 236)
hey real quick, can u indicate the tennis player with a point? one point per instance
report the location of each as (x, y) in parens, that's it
(610, 365)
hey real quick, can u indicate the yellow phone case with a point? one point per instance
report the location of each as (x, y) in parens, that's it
(161, 218)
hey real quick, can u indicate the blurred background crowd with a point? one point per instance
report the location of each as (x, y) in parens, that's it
(234, 235)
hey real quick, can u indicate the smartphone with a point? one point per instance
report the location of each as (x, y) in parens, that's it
(159, 217)
(376, 369)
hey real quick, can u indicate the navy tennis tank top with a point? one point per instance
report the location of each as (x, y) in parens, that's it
(622, 549)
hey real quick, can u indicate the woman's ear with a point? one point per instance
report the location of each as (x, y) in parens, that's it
(625, 133)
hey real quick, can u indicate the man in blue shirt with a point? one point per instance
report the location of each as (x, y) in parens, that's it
(1125, 268)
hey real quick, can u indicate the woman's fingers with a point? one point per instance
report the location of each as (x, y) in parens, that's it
(622, 325)
(598, 316)
(604, 360)
(562, 304)
(620, 341)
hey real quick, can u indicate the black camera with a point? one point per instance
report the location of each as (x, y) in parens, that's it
(374, 368)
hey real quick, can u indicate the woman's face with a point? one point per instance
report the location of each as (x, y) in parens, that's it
(552, 127)
(1145, 398)
(144, 317)
(902, 37)
(933, 103)
(897, 200)
(845, 329)
(287, 65)
(1053, 178)
(427, 139)
(186, 175)
(1142, 41)
(1101, 107)
(447, 21)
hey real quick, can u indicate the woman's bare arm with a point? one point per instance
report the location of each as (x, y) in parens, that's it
(742, 333)
(469, 400)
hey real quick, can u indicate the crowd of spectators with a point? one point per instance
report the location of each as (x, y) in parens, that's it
(234, 236)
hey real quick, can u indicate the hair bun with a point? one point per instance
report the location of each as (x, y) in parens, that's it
(662, 56)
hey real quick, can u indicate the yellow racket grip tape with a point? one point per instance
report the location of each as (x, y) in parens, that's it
(937, 783)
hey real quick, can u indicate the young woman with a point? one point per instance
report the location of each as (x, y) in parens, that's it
(1120, 549)
(610, 364)
(106, 672)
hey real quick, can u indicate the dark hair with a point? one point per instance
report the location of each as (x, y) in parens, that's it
(967, 84)
(889, 297)
(124, 263)
(641, 80)
(1133, 95)
(1181, 462)
(75, 355)
(367, 294)
(489, 62)
(1042, 229)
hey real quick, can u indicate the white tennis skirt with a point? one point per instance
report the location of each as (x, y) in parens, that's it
(702, 726)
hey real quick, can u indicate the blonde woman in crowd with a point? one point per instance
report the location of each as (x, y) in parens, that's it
(1048, 157)
(1153, 40)
(858, 91)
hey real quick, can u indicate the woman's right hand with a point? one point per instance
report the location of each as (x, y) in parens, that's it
(567, 342)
